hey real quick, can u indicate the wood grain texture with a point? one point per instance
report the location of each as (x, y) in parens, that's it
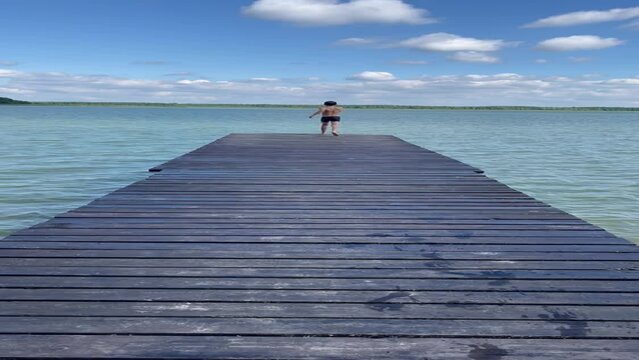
(291, 246)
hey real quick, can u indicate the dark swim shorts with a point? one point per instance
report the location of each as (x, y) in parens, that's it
(326, 119)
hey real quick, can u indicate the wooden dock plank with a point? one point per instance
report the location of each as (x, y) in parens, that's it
(323, 263)
(332, 251)
(300, 246)
(401, 327)
(370, 310)
(322, 273)
(272, 347)
(386, 300)
(133, 245)
(396, 240)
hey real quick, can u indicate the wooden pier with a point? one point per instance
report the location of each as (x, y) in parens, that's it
(284, 246)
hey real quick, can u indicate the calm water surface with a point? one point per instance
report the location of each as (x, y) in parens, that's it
(54, 159)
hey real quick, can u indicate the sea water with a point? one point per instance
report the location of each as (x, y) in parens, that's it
(54, 159)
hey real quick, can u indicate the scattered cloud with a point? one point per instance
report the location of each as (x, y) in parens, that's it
(191, 82)
(334, 12)
(355, 41)
(578, 42)
(450, 42)
(56, 86)
(9, 73)
(541, 61)
(626, 81)
(373, 87)
(8, 63)
(474, 57)
(372, 76)
(504, 89)
(264, 79)
(14, 91)
(586, 17)
(413, 84)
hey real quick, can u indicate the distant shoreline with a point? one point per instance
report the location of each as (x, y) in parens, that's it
(283, 106)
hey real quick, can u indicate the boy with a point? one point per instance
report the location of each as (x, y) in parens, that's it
(330, 112)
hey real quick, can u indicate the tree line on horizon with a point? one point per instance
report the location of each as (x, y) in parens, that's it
(9, 101)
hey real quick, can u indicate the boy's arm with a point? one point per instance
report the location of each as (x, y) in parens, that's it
(315, 113)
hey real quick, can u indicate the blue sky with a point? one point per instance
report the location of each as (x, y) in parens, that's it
(429, 52)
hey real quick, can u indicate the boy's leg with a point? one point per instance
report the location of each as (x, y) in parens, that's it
(324, 126)
(334, 125)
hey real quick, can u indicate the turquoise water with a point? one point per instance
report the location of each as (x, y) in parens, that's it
(57, 158)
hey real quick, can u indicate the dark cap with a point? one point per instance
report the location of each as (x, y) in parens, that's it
(330, 103)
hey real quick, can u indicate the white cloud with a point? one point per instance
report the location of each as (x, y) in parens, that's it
(578, 42)
(291, 89)
(333, 12)
(264, 79)
(372, 76)
(541, 61)
(55, 86)
(586, 17)
(487, 89)
(451, 42)
(473, 89)
(627, 81)
(8, 73)
(8, 63)
(355, 41)
(475, 57)
(512, 76)
(477, 76)
(14, 91)
(409, 84)
(118, 82)
(191, 82)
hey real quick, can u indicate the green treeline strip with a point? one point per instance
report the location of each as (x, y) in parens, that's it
(7, 101)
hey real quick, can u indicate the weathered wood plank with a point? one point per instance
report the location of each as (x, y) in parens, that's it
(334, 251)
(450, 284)
(324, 263)
(559, 329)
(315, 231)
(312, 348)
(89, 245)
(320, 226)
(371, 310)
(307, 273)
(386, 298)
(307, 239)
